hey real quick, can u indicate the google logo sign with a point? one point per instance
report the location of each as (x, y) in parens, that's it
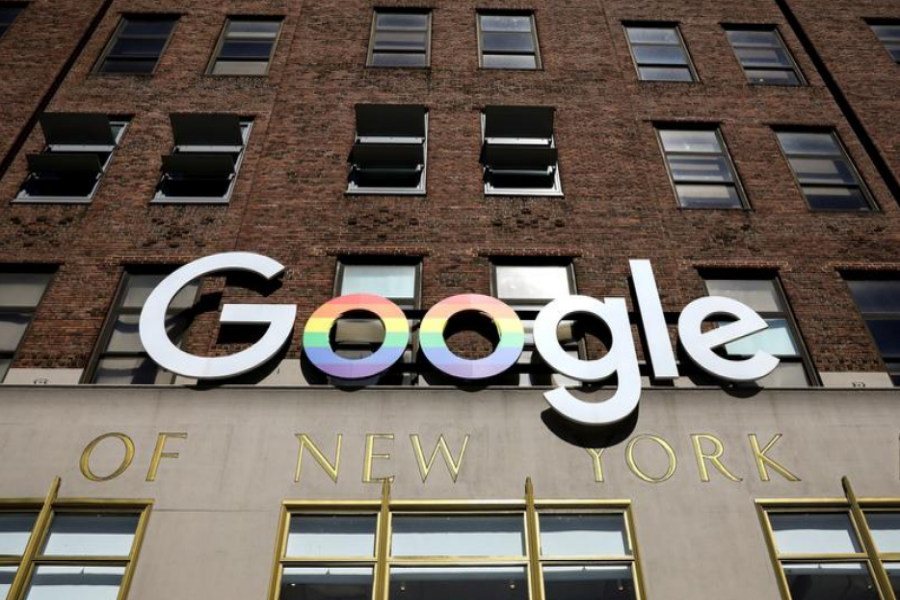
(620, 359)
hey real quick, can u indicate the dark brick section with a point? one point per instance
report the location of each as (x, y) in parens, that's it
(289, 201)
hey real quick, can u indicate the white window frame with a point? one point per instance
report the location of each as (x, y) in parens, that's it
(419, 190)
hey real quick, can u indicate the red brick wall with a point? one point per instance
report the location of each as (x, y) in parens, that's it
(289, 202)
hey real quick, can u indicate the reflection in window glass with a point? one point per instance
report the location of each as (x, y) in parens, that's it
(539, 283)
(20, 294)
(508, 41)
(326, 583)
(830, 581)
(780, 339)
(489, 535)
(453, 583)
(138, 45)
(613, 582)
(700, 169)
(15, 530)
(885, 528)
(889, 34)
(814, 533)
(75, 583)
(879, 303)
(827, 177)
(400, 39)
(123, 359)
(344, 535)
(659, 53)
(97, 534)
(395, 282)
(7, 575)
(583, 535)
(763, 56)
(246, 47)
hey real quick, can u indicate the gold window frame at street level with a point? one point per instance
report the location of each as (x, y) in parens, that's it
(46, 509)
(381, 561)
(855, 510)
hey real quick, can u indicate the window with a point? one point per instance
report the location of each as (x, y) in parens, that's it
(701, 169)
(763, 56)
(85, 551)
(204, 164)
(826, 176)
(527, 289)
(518, 151)
(822, 549)
(508, 41)
(584, 551)
(122, 359)
(659, 53)
(879, 302)
(781, 339)
(390, 152)
(20, 294)
(8, 14)
(246, 46)
(78, 151)
(400, 39)
(361, 337)
(137, 45)
(889, 34)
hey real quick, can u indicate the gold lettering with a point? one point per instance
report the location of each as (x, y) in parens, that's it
(763, 461)
(126, 460)
(670, 453)
(425, 467)
(158, 453)
(597, 455)
(331, 469)
(713, 458)
(371, 456)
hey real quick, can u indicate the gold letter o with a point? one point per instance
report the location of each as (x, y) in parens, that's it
(126, 460)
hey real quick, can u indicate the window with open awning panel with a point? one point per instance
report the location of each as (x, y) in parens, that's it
(389, 153)
(518, 151)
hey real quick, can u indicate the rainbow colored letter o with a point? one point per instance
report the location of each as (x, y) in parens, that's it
(318, 347)
(512, 337)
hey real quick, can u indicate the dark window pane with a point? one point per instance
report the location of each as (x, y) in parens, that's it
(830, 581)
(507, 42)
(887, 336)
(772, 77)
(471, 583)
(613, 582)
(887, 33)
(660, 55)
(137, 47)
(326, 583)
(4, 367)
(835, 198)
(63, 187)
(509, 61)
(876, 296)
(666, 74)
(392, 59)
(246, 49)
